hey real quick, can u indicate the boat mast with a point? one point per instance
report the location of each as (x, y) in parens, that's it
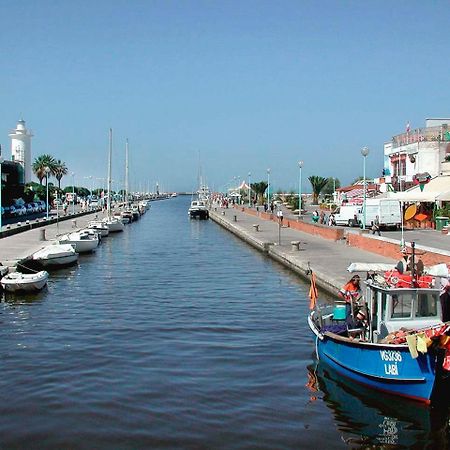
(108, 203)
(126, 172)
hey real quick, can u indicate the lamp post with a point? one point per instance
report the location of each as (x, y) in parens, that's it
(1, 209)
(249, 190)
(364, 152)
(300, 165)
(47, 171)
(268, 188)
(73, 193)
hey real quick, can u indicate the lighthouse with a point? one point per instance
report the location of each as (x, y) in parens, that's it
(21, 148)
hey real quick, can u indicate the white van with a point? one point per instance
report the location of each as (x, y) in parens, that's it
(347, 215)
(387, 210)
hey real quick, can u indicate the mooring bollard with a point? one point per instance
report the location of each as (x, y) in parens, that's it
(295, 246)
(74, 223)
(235, 218)
(256, 226)
(223, 213)
(42, 234)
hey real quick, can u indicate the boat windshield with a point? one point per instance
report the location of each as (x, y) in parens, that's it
(414, 305)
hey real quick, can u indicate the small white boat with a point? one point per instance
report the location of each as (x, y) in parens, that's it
(23, 282)
(56, 255)
(114, 224)
(126, 217)
(82, 241)
(99, 226)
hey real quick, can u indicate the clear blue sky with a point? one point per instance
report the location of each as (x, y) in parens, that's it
(246, 84)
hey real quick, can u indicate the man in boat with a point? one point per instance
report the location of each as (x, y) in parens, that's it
(350, 292)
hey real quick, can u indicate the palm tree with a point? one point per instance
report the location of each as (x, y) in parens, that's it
(259, 189)
(317, 183)
(40, 164)
(59, 171)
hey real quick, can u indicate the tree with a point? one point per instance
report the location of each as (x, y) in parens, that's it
(317, 183)
(332, 184)
(357, 179)
(259, 189)
(40, 164)
(59, 171)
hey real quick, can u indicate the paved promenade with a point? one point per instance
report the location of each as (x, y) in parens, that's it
(328, 259)
(22, 245)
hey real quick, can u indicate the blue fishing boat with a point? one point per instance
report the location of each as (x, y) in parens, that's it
(402, 346)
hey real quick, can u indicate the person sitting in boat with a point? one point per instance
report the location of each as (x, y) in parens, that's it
(350, 292)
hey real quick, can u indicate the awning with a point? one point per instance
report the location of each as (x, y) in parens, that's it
(438, 189)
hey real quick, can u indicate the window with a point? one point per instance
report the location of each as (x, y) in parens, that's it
(426, 305)
(401, 306)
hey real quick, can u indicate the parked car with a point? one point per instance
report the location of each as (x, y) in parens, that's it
(11, 211)
(21, 210)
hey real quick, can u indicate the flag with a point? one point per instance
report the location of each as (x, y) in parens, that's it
(313, 294)
(408, 127)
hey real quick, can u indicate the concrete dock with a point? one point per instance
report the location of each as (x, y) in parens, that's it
(21, 246)
(301, 251)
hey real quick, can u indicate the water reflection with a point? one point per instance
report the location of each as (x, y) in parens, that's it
(370, 418)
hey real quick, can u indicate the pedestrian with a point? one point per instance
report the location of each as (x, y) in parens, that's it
(272, 206)
(265, 207)
(280, 216)
(322, 217)
(376, 226)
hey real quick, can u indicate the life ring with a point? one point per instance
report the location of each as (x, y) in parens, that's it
(394, 280)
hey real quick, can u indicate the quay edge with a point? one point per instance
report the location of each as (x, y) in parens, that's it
(279, 253)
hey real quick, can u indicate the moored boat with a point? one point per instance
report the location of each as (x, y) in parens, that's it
(82, 241)
(56, 255)
(99, 226)
(399, 344)
(114, 224)
(23, 282)
(198, 210)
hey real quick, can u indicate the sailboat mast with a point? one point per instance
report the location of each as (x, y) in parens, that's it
(126, 172)
(108, 203)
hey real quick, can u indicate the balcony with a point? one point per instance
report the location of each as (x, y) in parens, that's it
(430, 134)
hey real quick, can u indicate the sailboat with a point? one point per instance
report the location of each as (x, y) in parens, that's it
(113, 223)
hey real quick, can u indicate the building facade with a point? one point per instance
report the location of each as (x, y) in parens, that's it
(414, 152)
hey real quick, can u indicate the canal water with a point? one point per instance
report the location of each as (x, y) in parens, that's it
(176, 334)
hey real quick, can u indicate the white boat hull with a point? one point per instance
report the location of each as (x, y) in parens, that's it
(114, 225)
(20, 282)
(81, 242)
(56, 255)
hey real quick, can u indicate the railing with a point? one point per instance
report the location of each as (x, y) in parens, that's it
(429, 134)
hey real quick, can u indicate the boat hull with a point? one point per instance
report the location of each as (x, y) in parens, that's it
(389, 368)
(202, 214)
(24, 283)
(58, 261)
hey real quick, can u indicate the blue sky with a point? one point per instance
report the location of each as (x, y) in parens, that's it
(247, 85)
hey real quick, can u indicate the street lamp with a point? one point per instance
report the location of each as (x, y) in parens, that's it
(364, 152)
(1, 209)
(47, 171)
(268, 187)
(300, 165)
(249, 190)
(73, 193)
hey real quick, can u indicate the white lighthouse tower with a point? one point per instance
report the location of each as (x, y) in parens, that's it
(21, 148)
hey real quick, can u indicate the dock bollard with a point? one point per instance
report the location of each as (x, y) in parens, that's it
(295, 246)
(74, 223)
(256, 227)
(42, 234)
(235, 218)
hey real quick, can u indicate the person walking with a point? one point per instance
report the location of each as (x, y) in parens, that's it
(280, 216)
